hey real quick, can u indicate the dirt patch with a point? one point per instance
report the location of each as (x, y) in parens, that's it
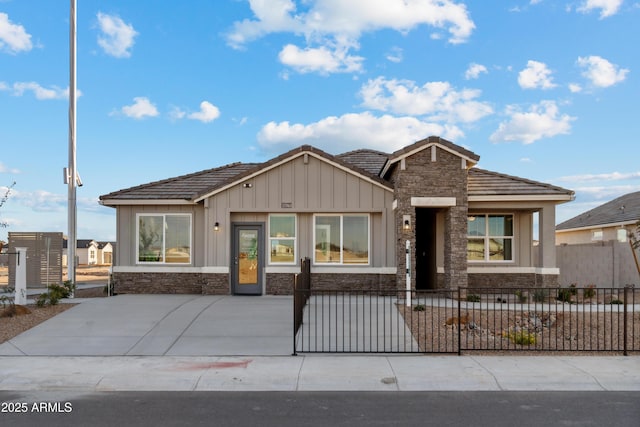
(436, 330)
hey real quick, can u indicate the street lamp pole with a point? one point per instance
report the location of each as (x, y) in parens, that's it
(72, 172)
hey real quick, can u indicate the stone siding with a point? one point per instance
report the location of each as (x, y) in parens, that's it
(280, 283)
(515, 280)
(353, 281)
(171, 283)
(443, 177)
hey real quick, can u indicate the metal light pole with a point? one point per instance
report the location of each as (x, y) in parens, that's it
(72, 173)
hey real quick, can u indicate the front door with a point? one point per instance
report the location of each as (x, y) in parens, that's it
(426, 269)
(248, 259)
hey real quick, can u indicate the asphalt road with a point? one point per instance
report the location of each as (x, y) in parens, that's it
(254, 409)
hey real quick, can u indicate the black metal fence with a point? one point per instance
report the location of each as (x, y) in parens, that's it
(453, 321)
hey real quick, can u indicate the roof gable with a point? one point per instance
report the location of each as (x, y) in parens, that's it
(623, 210)
(305, 150)
(431, 141)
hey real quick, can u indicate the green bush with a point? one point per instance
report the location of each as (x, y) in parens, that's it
(55, 293)
(540, 295)
(589, 292)
(566, 294)
(522, 337)
(419, 307)
(473, 298)
(522, 298)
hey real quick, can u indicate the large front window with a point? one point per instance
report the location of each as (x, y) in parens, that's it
(164, 238)
(282, 239)
(490, 237)
(341, 239)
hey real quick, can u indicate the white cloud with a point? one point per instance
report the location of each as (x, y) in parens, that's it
(541, 121)
(535, 76)
(474, 71)
(321, 60)
(13, 37)
(395, 55)
(351, 131)
(140, 109)
(351, 18)
(332, 28)
(613, 176)
(117, 37)
(208, 113)
(42, 201)
(575, 88)
(600, 72)
(607, 7)
(4, 169)
(41, 93)
(437, 100)
(4, 86)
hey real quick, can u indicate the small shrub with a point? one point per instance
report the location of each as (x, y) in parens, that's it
(522, 298)
(473, 298)
(589, 292)
(419, 307)
(566, 294)
(55, 293)
(540, 295)
(522, 337)
(616, 301)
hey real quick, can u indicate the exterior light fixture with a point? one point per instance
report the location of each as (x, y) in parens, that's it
(216, 226)
(406, 222)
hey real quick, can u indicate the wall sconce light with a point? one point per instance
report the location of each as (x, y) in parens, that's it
(216, 226)
(406, 222)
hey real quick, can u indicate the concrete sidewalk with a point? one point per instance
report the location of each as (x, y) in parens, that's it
(320, 373)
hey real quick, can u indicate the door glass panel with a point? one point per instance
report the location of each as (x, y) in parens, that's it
(248, 257)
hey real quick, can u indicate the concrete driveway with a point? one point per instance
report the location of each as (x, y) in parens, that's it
(159, 325)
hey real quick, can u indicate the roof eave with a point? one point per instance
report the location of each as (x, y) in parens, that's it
(141, 202)
(560, 198)
(592, 226)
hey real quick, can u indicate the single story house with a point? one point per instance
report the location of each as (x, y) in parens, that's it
(105, 253)
(243, 228)
(610, 221)
(86, 251)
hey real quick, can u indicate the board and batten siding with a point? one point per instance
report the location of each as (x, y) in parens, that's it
(303, 186)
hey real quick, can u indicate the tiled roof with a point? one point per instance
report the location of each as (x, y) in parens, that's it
(371, 161)
(486, 183)
(185, 187)
(623, 209)
(368, 163)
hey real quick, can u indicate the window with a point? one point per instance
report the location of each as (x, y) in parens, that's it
(597, 235)
(341, 239)
(164, 238)
(490, 237)
(621, 235)
(282, 239)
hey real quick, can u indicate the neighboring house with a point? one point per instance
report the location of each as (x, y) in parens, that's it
(593, 247)
(243, 228)
(86, 252)
(610, 221)
(105, 253)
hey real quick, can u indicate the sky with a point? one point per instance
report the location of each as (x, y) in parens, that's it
(540, 89)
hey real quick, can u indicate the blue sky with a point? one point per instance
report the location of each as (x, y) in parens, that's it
(545, 90)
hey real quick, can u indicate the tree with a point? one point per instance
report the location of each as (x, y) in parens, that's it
(3, 200)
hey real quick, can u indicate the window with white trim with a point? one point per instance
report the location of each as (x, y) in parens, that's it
(282, 239)
(490, 237)
(341, 239)
(164, 239)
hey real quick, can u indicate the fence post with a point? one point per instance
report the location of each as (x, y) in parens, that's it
(626, 295)
(459, 325)
(408, 273)
(295, 313)
(21, 277)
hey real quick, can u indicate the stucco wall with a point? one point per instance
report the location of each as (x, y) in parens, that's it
(607, 264)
